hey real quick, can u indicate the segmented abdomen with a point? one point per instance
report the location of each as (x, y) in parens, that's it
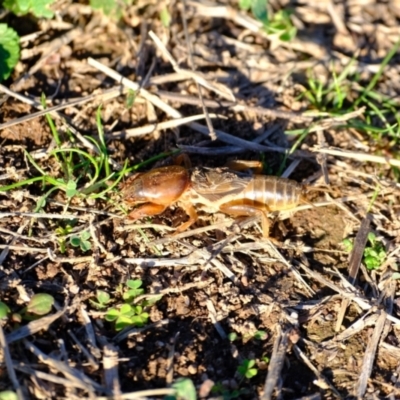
(277, 194)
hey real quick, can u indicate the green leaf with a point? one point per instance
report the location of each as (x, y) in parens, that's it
(232, 336)
(39, 8)
(165, 17)
(396, 275)
(85, 235)
(122, 322)
(8, 395)
(9, 51)
(4, 310)
(70, 190)
(134, 284)
(75, 241)
(372, 238)
(130, 98)
(185, 389)
(112, 314)
(150, 302)
(371, 262)
(85, 245)
(348, 245)
(251, 373)
(40, 304)
(246, 370)
(137, 309)
(245, 4)
(102, 297)
(259, 10)
(126, 309)
(260, 335)
(289, 35)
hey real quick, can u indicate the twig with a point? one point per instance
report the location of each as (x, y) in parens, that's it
(276, 363)
(358, 156)
(145, 130)
(354, 264)
(34, 326)
(110, 365)
(369, 356)
(170, 360)
(9, 365)
(321, 378)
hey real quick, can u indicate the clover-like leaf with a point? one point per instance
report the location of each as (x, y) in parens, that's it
(9, 50)
(4, 310)
(40, 304)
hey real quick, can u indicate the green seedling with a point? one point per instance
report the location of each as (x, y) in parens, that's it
(37, 8)
(62, 232)
(102, 300)
(81, 241)
(246, 369)
(39, 305)
(165, 17)
(9, 51)
(220, 390)
(4, 310)
(374, 255)
(279, 24)
(127, 315)
(258, 335)
(347, 92)
(184, 390)
(232, 336)
(8, 395)
(134, 290)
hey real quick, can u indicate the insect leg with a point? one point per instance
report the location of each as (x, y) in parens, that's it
(243, 165)
(190, 210)
(146, 210)
(240, 210)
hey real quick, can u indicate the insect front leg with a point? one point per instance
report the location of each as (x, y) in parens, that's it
(247, 210)
(191, 212)
(146, 210)
(243, 165)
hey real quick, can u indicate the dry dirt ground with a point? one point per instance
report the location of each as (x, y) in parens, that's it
(296, 306)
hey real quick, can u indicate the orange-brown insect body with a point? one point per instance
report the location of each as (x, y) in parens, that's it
(161, 186)
(219, 189)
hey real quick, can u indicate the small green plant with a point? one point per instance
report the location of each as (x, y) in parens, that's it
(127, 315)
(111, 8)
(81, 241)
(279, 24)
(226, 394)
(40, 304)
(232, 336)
(37, 8)
(84, 175)
(62, 231)
(8, 395)
(102, 299)
(9, 50)
(258, 335)
(4, 310)
(184, 390)
(246, 369)
(374, 255)
(347, 92)
(130, 312)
